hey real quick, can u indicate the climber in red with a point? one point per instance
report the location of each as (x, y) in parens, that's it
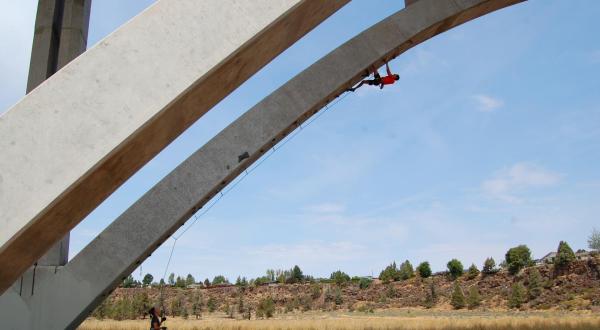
(378, 80)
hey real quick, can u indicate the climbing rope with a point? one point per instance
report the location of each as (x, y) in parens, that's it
(234, 184)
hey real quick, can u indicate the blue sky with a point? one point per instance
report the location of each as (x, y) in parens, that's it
(490, 139)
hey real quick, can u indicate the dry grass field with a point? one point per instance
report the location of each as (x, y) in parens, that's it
(385, 319)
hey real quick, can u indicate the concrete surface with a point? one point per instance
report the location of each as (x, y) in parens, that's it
(60, 35)
(46, 36)
(75, 138)
(142, 228)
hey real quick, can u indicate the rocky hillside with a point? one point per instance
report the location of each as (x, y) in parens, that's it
(574, 288)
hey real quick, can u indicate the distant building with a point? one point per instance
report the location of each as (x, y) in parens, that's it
(195, 286)
(583, 255)
(547, 259)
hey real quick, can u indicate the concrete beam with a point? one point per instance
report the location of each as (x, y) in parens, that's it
(142, 228)
(79, 135)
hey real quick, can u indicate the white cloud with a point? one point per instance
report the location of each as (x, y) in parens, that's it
(507, 183)
(486, 103)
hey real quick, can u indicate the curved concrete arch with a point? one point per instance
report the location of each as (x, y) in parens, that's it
(69, 143)
(134, 235)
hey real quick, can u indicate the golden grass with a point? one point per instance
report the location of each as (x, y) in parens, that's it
(327, 321)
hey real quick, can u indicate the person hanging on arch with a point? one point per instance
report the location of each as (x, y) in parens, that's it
(378, 80)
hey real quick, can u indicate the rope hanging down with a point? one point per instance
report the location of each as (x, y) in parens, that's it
(231, 186)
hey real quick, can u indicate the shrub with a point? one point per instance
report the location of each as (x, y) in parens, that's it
(517, 258)
(197, 304)
(339, 277)
(424, 269)
(534, 287)
(178, 306)
(406, 270)
(564, 255)
(458, 298)
(241, 307)
(489, 266)
(517, 296)
(430, 296)
(474, 298)
(315, 290)
(265, 308)
(390, 291)
(211, 304)
(455, 268)
(472, 272)
(338, 297)
(390, 273)
(364, 282)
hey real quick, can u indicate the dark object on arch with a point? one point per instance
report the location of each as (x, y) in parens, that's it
(243, 156)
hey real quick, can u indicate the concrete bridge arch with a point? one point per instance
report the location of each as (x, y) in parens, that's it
(115, 253)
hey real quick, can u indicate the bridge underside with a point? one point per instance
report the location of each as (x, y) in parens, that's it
(134, 235)
(75, 138)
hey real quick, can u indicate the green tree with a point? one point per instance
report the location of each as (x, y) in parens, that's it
(197, 305)
(180, 282)
(315, 290)
(534, 285)
(141, 302)
(424, 269)
(338, 296)
(517, 296)
(390, 273)
(206, 282)
(211, 304)
(474, 298)
(430, 296)
(339, 277)
(364, 282)
(219, 279)
(473, 272)
(189, 280)
(518, 258)
(177, 306)
(296, 275)
(240, 304)
(564, 255)
(406, 270)
(271, 275)
(489, 266)
(147, 279)
(265, 308)
(594, 240)
(455, 268)
(128, 282)
(458, 297)
(172, 279)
